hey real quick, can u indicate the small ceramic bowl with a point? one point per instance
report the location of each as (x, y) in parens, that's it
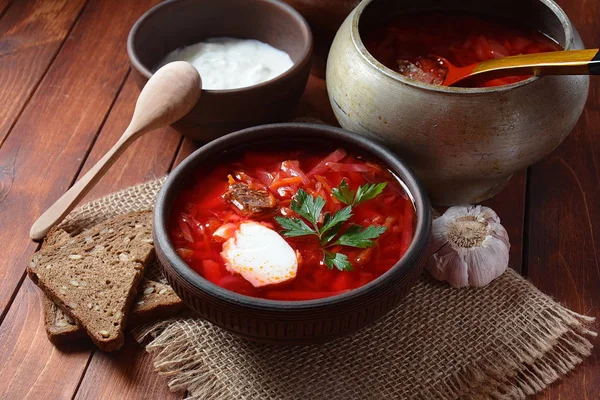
(463, 143)
(177, 23)
(291, 322)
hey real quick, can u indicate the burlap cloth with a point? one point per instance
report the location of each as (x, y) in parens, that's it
(505, 341)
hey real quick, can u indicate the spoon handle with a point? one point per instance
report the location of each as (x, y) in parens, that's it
(67, 201)
(572, 62)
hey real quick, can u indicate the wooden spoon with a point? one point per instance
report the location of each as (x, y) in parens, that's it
(570, 62)
(169, 94)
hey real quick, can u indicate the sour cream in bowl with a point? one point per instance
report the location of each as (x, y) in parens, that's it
(230, 63)
(254, 58)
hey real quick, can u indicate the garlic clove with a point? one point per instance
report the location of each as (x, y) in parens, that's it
(449, 267)
(472, 247)
(489, 262)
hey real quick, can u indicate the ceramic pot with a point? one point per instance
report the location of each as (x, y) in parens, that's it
(463, 143)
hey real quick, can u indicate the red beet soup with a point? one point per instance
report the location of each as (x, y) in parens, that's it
(326, 222)
(413, 44)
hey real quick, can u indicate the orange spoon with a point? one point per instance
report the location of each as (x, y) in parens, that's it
(571, 62)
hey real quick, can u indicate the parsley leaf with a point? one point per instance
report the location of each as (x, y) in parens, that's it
(307, 206)
(368, 191)
(310, 208)
(294, 227)
(343, 193)
(329, 235)
(356, 236)
(331, 221)
(337, 260)
(365, 192)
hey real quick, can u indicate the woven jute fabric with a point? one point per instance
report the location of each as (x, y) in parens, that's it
(505, 341)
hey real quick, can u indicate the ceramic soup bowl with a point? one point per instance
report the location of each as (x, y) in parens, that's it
(290, 322)
(463, 143)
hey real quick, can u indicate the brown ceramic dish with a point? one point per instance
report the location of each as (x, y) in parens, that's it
(291, 322)
(178, 23)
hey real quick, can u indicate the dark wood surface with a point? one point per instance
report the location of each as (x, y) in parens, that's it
(66, 95)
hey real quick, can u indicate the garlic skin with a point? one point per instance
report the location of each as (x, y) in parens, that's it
(471, 247)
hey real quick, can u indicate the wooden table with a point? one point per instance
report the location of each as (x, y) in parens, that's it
(66, 94)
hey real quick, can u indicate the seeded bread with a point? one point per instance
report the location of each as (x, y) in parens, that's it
(93, 277)
(154, 300)
(60, 328)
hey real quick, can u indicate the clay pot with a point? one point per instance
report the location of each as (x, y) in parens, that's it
(464, 144)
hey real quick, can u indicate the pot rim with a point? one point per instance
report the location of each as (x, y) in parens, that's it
(299, 131)
(362, 50)
(294, 69)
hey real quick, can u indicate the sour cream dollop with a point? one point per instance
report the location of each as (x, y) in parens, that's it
(228, 63)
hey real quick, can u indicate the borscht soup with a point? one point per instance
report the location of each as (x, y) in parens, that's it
(292, 225)
(415, 45)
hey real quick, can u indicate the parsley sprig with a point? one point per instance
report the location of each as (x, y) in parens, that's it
(310, 209)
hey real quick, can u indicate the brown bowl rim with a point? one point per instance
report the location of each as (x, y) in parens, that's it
(296, 68)
(299, 132)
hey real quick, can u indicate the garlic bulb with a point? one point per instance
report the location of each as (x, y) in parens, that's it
(470, 246)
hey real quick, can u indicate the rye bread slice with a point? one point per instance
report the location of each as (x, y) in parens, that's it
(154, 300)
(93, 277)
(60, 328)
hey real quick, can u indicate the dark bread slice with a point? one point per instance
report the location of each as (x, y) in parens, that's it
(93, 277)
(60, 328)
(154, 300)
(56, 236)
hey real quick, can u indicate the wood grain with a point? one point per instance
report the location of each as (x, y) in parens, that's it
(50, 142)
(148, 158)
(509, 204)
(169, 95)
(31, 32)
(51, 138)
(62, 119)
(564, 218)
(564, 239)
(314, 103)
(31, 367)
(126, 374)
(3, 6)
